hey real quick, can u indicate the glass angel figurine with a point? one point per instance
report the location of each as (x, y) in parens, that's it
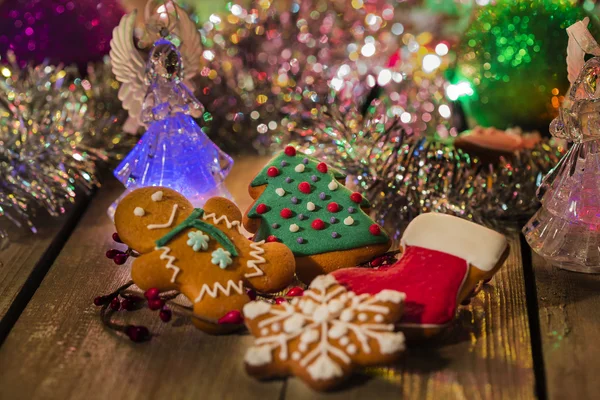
(174, 152)
(566, 229)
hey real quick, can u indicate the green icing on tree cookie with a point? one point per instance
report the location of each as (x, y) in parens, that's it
(305, 207)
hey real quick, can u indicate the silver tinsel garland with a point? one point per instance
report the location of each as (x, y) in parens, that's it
(54, 129)
(405, 175)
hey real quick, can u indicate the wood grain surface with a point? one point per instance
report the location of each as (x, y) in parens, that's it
(26, 258)
(59, 349)
(485, 355)
(569, 318)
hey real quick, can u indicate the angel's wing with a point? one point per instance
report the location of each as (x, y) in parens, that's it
(581, 42)
(191, 43)
(128, 66)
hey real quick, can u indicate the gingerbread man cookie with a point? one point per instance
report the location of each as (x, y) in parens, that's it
(200, 252)
(304, 204)
(321, 336)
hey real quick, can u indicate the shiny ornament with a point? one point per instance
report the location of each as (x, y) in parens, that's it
(509, 69)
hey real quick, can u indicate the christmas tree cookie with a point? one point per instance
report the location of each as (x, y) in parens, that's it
(303, 203)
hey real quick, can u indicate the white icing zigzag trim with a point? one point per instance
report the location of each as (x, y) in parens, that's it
(168, 223)
(257, 246)
(165, 256)
(217, 287)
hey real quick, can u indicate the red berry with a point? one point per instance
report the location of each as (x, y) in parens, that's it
(261, 208)
(120, 259)
(304, 187)
(290, 151)
(155, 304)
(115, 304)
(165, 315)
(152, 293)
(112, 253)
(318, 224)
(232, 317)
(100, 301)
(280, 300)
(272, 238)
(272, 172)
(295, 291)
(356, 197)
(137, 333)
(251, 294)
(127, 304)
(377, 262)
(322, 167)
(333, 207)
(286, 213)
(375, 230)
(116, 238)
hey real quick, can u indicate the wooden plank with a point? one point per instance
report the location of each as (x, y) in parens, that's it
(26, 259)
(485, 355)
(569, 319)
(58, 349)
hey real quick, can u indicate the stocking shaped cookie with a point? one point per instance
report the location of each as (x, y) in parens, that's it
(321, 336)
(200, 252)
(443, 260)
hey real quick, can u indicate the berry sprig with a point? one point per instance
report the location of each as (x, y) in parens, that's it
(383, 260)
(119, 257)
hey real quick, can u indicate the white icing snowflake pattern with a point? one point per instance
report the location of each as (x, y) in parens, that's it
(324, 329)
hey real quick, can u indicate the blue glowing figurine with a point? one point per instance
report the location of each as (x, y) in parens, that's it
(174, 152)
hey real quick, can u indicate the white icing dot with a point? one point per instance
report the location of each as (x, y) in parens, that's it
(309, 336)
(362, 317)
(321, 313)
(335, 306)
(379, 318)
(296, 356)
(280, 191)
(264, 331)
(302, 346)
(347, 315)
(348, 220)
(310, 206)
(299, 168)
(337, 331)
(308, 307)
(293, 323)
(275, 327)
(344, 340)
(255, 309)
(351, 349)
(157, 196)
(294, 228)
(138, 212)
(332, 185)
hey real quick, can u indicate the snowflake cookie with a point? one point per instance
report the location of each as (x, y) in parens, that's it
(322, 335)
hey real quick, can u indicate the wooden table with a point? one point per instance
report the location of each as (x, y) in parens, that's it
(532, 332)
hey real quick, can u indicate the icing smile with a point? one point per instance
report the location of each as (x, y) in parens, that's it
(166, 224)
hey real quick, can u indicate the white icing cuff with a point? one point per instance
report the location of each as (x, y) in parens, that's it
(478, 245)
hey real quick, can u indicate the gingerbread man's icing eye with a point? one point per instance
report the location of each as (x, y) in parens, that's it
(157, 196)
(139, 212)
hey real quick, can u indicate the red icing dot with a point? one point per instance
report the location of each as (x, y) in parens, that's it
(356, 197)
(286, 213)
(272, 172)
(333, 207)
(322, 167)
(375, 230)
(318, 224)
(261, 208)
(304, 187)
(272, 238)
(290, 151)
